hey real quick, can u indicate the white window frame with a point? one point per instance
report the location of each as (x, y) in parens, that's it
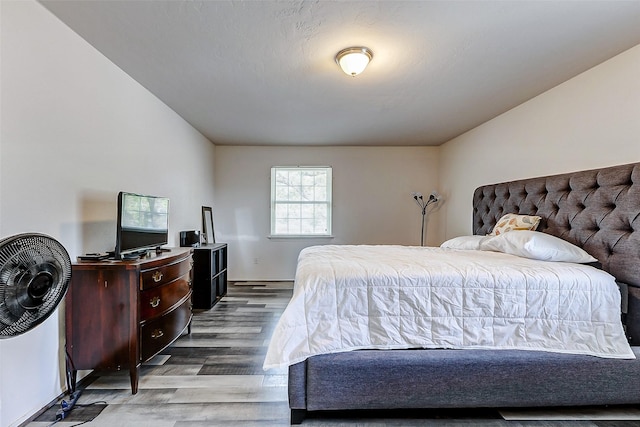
(275, 203)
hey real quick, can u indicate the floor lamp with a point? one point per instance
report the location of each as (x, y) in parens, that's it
(422, 203)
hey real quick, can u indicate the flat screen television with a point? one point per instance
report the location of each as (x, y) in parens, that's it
(143, 224)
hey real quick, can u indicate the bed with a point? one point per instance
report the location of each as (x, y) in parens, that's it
(596, 210)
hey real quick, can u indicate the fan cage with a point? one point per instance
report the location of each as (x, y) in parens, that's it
(22, 257)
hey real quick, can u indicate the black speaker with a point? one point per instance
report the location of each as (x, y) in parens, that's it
(190, 238)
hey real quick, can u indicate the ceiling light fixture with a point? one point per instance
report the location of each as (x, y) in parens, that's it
(353, 60)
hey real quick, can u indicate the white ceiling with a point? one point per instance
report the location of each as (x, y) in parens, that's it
(263, 72)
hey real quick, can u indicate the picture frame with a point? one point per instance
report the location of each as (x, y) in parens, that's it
(208, 232)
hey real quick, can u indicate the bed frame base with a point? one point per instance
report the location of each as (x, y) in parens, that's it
(411, 379)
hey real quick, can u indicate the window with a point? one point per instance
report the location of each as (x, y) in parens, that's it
(301, 201)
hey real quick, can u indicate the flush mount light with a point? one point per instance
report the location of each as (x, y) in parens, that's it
(353, 60)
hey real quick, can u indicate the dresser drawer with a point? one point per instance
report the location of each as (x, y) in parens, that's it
(158, 333)
(157, 300)
(161, 275)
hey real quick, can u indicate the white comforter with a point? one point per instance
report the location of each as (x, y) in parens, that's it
(390, 297)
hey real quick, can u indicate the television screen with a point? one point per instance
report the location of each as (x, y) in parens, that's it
(143, 223)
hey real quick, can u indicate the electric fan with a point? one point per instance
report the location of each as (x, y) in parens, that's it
(35, 270)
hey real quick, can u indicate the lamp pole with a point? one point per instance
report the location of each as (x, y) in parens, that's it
(422, 203)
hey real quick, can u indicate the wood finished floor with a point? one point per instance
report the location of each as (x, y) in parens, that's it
(214, 377)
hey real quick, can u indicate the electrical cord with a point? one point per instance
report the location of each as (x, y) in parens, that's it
(75, 425)
(66, 407)
(84, 405)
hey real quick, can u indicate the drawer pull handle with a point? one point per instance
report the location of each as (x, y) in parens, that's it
(157, 276)
(155, 301)
(157, 333)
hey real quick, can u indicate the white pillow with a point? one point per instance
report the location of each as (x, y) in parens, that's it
(464, 242)
(536, 245)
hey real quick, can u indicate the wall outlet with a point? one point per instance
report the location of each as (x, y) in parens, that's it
(255, 261)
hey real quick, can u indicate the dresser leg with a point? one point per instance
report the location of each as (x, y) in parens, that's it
(71, 380)
(134, 373)
(71, 373)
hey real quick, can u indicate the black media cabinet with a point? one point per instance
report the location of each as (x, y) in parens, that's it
(209, 274)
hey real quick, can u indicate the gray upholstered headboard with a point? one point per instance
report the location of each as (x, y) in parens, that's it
(598, 210)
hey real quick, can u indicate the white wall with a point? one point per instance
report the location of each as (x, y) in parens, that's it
(372, 201)
(590, 121)
(75, 131)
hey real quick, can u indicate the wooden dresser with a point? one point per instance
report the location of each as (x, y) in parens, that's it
(122, 313)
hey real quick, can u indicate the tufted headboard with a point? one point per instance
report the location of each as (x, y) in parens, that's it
(598, 210)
